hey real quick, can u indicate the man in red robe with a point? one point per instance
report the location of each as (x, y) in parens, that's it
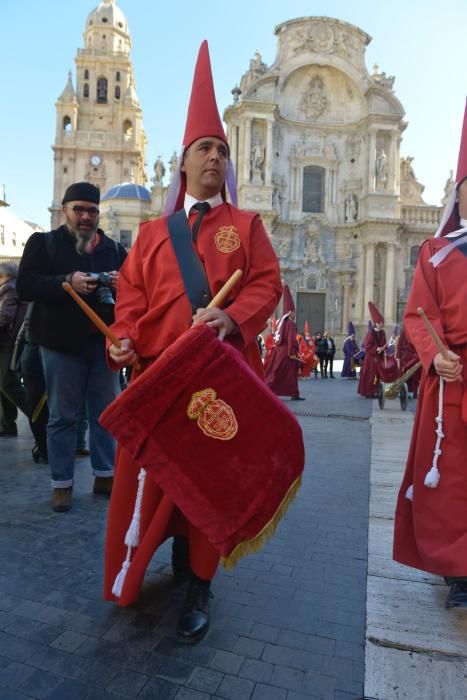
(269, 344)
(306, 353)
(374, 344)
(431, 516)
(282, 372)
(153, 310)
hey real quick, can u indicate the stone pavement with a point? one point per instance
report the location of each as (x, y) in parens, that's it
(415, 648)
(287, 623)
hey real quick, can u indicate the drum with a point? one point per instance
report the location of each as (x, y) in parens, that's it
(388, 368)
(215, 438)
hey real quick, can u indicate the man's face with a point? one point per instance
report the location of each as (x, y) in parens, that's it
(82, 219)
(205, 165)
(463, 200)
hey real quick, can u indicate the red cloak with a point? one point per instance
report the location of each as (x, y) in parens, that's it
(431, 529)
(282, 372)
(368, 382)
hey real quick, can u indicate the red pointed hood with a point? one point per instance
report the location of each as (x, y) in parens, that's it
(450, 218)
(376, 315)
(202, 120)
(307, 328)
(287, 301)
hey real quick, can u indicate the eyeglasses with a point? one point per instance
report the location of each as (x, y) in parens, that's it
(92, 211)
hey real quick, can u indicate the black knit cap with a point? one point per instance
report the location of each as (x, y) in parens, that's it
(82, 192)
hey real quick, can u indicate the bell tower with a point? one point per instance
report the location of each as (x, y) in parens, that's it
(99, 136)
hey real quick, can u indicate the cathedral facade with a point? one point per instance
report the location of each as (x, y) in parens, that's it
(315, 140)
(316, 143)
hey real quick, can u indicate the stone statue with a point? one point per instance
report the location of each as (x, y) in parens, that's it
(257, 162)
(257, 65)
(159, 172)
(381, 167)
(173, 164)
(283, 249)
(351, 208)
(311, 250)
(448, 187)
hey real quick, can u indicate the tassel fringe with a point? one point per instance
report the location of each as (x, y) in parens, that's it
(433, 476)
(256, 543)
(131, 537)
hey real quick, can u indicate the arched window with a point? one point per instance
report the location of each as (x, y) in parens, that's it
(101, 90)
(127, 127)
(313, 189)
(117, 92)
(86, 90)
(414, 255)
(66, 124)
(86, 74)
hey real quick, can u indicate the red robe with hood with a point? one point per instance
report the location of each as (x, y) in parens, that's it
(153, 311)
(431, 529)
(282, 372)
(368, 382)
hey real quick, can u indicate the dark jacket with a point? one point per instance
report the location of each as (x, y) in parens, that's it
(57, 322)
(8, 309)
(330, 352)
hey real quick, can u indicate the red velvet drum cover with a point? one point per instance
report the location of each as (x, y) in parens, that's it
(215, 439)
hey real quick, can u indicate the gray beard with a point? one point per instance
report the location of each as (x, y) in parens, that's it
(82, 238)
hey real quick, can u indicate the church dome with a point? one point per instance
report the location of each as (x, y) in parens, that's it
(127, 190)
(107, 14)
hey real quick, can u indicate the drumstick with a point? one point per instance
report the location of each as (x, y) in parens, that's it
(91, 314)
(436, 339)
(219, 298)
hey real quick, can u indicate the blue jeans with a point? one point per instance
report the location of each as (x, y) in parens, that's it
(70, 380)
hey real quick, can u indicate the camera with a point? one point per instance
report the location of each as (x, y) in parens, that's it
(104, 287)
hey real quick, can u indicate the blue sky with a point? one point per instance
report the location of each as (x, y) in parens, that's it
(413, 40)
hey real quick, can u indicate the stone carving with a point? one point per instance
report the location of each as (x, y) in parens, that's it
(353, 146)
(347, 249)
(258, 153)
(411, 189)
(173, 164)
(322, 38)
(311, 250)
(381, 167)
(351, 208)
(159, 172)
(448, 187)
(313, 102)
(256, 64)
(381, 79)
(329, 151)
(283, 248)
(305, 146)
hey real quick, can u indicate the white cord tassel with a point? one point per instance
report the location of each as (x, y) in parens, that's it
(409, 493)
(131, 537)
(433, 476)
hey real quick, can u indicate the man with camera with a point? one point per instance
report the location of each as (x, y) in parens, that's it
(72, 349)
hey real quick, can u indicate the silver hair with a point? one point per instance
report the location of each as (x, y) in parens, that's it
(8, 269)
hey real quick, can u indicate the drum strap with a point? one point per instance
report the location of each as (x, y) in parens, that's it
(191, 268)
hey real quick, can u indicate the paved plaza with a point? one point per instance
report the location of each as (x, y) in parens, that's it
(289, 623)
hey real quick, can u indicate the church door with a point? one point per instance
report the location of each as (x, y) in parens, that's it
(311, 307)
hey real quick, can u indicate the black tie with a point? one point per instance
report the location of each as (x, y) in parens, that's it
(202, 208)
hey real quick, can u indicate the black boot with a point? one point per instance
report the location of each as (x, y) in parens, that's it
(193, 622)
(457, 596)
(180, 558)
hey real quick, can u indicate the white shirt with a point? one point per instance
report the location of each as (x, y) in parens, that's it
(191, 201)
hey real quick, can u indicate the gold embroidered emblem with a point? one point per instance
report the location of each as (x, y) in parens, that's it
(227, 239)
(215, 417)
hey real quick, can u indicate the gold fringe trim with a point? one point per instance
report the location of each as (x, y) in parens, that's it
(258, 541)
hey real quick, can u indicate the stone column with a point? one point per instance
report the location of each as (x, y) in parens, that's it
(393, 162)
(346, 304)
(360, 314)
(269, 154)
(389, 287)
(369, 274)
(371, 161)
(247, 151)
(233, 140)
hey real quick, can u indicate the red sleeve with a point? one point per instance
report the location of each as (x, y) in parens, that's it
(132, 300)
(261, 289)
(424, 293)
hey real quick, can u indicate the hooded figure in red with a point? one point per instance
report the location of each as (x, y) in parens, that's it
(153, 312)
(374, 345)
(431, 516)
(282, 371)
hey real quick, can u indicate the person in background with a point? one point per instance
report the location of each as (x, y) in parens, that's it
(330, 352)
